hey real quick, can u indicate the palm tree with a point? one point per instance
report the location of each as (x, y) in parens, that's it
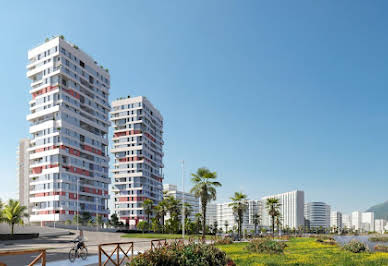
(226, 226)
(188, 209)
(256, 221)
(161, 209)
(148, 206)
(278, 222)
(205, 189)
(239, 205)
(273, 207)
(14, 213)
(198, 221)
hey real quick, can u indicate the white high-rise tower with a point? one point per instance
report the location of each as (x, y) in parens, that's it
(138, 152)
(69, 127)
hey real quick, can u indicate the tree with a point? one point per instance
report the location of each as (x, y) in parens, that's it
(273, 207)
(99, 220)
(256, 221)
(239, 205)
(226, 226)
(278, 222)
(142, 225)
(161, 210)
(75, 219)
(148, 207)
(114, 220)
(198, 221)
(85, 217)
(174, 209)
(215, 227)
(188, 209)
(205, 189)
(14, 213)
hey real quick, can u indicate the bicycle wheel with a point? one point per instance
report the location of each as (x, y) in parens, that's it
(72, 254)
(83, 253)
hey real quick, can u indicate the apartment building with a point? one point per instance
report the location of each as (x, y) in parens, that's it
(380, 225)
(347, 221)
(336, 219)
(69, 133)
(368, 221)
(211, 213)
(224, 213)
(191, 199)
(356, 220)
(317, 214)
(138, 157)
(291, 209)
(23, 159)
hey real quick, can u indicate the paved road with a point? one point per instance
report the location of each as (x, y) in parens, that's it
(58, 248)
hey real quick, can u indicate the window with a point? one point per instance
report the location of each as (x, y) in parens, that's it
(82, 64)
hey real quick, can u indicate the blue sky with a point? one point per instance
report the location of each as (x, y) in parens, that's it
(273, 95)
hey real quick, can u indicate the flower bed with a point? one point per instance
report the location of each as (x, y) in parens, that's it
(266, 245)
(173, 254)
(355, 246)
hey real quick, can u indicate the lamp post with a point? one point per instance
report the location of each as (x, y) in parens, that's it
(183, 200)
(77, 204)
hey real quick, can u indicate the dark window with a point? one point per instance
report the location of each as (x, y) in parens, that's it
(81, 63)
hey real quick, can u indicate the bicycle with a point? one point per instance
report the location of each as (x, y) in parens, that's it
(76, 251)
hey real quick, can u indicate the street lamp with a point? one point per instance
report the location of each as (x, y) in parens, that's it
(77, 204)
(183, 200)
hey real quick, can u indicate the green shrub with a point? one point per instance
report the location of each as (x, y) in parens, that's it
(355, 246)
(174, 254)
(224, 241)
(378, 239)
(382, 248)
(266, 245)
(328, 241)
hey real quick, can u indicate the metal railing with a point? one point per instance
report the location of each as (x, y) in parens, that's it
(158, 243)
(41, 257)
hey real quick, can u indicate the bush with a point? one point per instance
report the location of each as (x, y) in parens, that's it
(330, 241)
(378, 239)
(382, 248)
(355, 246)
(177, 254)
(266, 245)
(224, 241)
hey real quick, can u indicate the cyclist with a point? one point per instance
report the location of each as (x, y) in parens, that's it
(80, 240)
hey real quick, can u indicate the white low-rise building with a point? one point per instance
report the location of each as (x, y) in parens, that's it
(191, 199)
(347, 221)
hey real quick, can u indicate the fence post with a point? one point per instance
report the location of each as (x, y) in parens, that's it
(118, 255)
(44, 258)
(99, 255)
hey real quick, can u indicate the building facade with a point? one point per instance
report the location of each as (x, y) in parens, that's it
(23, 170)
(317, 214)
(69, 123)
(380, 225)
(138, 157)
(336, 220)
(191, 199)
(356, 220)
(211, 214)
(347, 221)
(368, 221)
(291, 209)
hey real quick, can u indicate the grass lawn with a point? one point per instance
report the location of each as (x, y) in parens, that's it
(162, 236)
(304, 251)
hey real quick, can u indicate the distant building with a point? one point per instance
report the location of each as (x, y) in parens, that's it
(225, 213)
(356, 220)
(347, 221)
(211, 213)
(291, 209)
(171, 190)
(317, 214)
(380, 225)
(336, 219)
(368, 221)
(23, 158)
